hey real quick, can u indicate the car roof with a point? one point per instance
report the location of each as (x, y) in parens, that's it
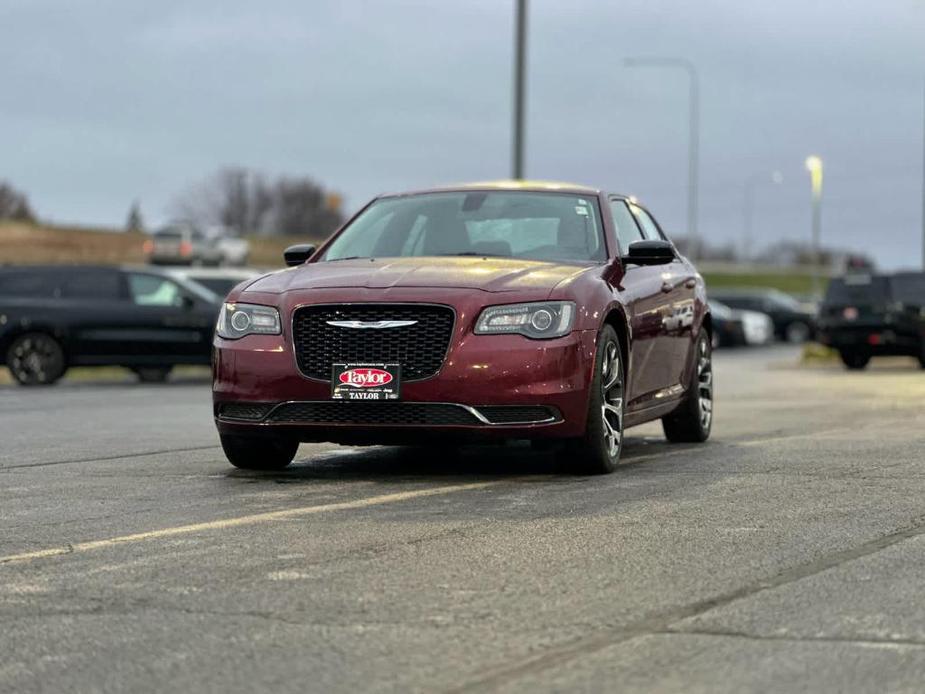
(509, 185)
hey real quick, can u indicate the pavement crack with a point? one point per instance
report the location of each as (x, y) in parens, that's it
(859, 640)
(661, 622)
(100, 459)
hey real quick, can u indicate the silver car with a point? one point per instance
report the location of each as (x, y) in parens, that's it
(182, 243)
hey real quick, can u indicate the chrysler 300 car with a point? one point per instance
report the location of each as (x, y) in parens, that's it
(492, 311)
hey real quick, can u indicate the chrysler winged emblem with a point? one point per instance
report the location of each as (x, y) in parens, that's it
(374, 324)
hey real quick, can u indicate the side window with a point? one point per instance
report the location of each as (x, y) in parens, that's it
(649, 227)
(627, 229)
(26, 284)
(153, 290)
(104, 286)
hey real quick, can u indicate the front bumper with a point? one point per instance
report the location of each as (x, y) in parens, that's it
(482, 377)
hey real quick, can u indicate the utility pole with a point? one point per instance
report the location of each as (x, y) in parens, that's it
(520, 67)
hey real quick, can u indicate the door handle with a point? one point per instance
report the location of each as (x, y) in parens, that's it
(667, 287)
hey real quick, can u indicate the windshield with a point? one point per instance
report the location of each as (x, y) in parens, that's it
(784, 301)
(720, 310)
(515, 224)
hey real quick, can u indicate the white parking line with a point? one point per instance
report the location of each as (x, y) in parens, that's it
(245, 520)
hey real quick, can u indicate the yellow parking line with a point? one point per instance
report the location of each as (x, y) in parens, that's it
(244, 520)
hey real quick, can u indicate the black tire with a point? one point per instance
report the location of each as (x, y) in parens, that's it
(797, 333)
(854, 360)
(36, 359)
(251, 453)
(598, 451)
(693, 420)
(152, 374)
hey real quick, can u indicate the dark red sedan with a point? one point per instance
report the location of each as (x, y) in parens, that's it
(494, 311)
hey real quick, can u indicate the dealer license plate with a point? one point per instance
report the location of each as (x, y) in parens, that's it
(366, 381)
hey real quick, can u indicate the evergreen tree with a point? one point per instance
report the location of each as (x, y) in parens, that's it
(134, 221)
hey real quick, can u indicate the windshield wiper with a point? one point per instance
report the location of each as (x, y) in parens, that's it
(472, 253)
(349, 257)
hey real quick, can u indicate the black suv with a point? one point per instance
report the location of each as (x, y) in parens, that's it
(864, 316)
(53, 317)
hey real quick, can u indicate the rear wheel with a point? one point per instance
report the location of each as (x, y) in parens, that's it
(252, 453)
(598, 451)
(36, 359)
(854, 360)
(693, 420)
(152, 374)
(797, 333)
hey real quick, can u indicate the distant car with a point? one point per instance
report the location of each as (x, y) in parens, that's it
(864, 316)
(55, 317)
(732, 327)
(792, 322)
(220, 281)
(183, 243)
(728, 327)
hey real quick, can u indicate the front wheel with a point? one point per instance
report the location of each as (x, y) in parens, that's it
(598, 451)
(36, 359)
(253, 453)
(693, 420)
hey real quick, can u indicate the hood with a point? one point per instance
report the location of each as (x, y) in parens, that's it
(486, 274)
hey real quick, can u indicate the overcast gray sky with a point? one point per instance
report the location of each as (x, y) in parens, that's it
(105, 101)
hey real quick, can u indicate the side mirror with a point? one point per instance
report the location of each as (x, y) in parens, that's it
(187, 302)
(649, 253)
(298, 254)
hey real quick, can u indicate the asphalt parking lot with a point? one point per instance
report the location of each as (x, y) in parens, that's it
(787, 554)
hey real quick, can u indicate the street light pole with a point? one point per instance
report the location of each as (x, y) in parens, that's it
(923, 178)
(748, 207)
(520, 65)
(814, 166)
(693, 135)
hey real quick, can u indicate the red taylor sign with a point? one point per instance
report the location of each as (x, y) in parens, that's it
(365, 378)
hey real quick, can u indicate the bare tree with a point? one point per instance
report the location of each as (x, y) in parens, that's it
(302, 207)
(14, 205)
(245, 202)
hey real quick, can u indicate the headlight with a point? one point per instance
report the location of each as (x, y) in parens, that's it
(238, 320)
(538, 320)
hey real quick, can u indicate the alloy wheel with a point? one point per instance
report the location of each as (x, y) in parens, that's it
(705, 385)
(612, 401)
(36, 359)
